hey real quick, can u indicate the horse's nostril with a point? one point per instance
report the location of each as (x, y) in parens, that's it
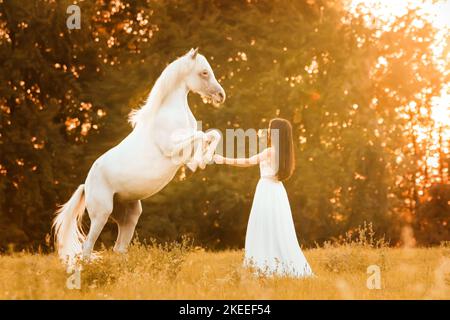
(221, 95)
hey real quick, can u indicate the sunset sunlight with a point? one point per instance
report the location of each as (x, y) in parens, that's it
(253, 150)
(436, 135)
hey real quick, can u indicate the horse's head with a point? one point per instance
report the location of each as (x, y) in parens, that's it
(201, 79)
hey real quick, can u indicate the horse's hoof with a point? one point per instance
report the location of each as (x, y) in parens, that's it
(192, 166)
(209, 158)
(120, 251)
(202, 165)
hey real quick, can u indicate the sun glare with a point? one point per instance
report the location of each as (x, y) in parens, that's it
(438, 14)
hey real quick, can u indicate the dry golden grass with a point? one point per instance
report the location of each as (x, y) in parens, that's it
(180, 272)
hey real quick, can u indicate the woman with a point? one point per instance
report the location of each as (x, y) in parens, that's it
(271, 245)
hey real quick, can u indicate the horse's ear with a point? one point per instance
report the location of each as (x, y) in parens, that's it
(193, 53)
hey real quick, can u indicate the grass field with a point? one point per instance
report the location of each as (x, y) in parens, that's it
(181, 272)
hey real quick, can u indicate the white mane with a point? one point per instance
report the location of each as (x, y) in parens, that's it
(163, 85)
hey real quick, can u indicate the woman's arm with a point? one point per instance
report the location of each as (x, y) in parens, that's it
(242, 162)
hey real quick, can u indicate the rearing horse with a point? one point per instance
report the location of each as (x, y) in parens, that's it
(145, 161)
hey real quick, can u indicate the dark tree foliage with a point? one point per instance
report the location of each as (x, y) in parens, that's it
(432, 220)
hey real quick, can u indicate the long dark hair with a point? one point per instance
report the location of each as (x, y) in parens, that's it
(280, 139)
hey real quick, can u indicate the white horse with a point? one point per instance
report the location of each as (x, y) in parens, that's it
(145, 161)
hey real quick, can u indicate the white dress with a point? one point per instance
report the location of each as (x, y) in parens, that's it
(271, 245)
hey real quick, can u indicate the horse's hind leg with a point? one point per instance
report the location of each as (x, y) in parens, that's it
(126, 215)
(99, 206)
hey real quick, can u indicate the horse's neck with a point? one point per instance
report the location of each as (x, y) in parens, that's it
(176, 104)
(169, 86)
(176, 100)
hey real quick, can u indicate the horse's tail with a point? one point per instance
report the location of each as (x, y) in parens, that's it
(69, 236)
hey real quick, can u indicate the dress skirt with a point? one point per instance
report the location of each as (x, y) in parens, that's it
(271, 246)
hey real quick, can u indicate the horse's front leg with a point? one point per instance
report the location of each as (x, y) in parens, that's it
(214, 137)
(181, 150)
(197, 159)
(210, 142)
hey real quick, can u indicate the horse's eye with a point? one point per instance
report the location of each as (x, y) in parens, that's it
(204, 74)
